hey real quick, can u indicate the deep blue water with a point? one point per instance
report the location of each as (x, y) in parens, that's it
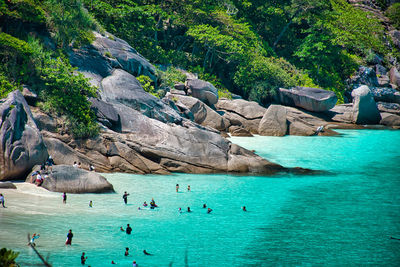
(343, 218)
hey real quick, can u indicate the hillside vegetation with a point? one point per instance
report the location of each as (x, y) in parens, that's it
(248, 47)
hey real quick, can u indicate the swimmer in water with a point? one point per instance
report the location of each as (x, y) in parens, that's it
(146, 253)
(188, 187)
(204, 206)
(188, 209)
(209, 210)
(177, 187)
(122, 229)
(126, 251)
(145, 204)
(180, 210)
(244, 208)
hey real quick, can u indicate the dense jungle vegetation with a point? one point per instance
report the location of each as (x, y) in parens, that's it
(249, 47)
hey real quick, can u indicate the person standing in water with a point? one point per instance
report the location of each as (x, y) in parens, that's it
(126, 251)
(69, 237)
(65, 198)
(83, 258)
(128, 229)
(125, 197)
(188, 187)
(177, 187)
(91, 204)
(244, 208)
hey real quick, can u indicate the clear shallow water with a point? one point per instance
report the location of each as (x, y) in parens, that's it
(341, 219)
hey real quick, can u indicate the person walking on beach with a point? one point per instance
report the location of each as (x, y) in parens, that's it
(125, 197)
(83, 258)
(69, 237)
(65, 198)
(128, 229)
(2, 201)
(177, 187)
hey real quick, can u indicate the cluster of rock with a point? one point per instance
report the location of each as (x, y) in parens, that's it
(139, 132)
(183, 132)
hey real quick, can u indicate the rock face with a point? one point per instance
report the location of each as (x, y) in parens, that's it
(21, 145)
(202, 113)
(274, 121)
(342, 113)
(242, 113)
(202, 90)
(312, 99)
(124, 88)
(69, 179)
(365, 110)
(106, 114)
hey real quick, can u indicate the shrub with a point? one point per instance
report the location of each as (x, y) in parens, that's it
(7, 257)
(393, 13)
(170, 77)
(147, 85)
(6, 86)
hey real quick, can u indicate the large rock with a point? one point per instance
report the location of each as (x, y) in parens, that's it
(274, 121)
(342, 113)
(202, 90)
(97, 60)
(130, 60)
(69, 179)
(203, 114)
(365, 110)
(394, 76)
(390, 119)
(21, 145)
(385, 94)
(312, 99)
(124, 88)
(242, 113)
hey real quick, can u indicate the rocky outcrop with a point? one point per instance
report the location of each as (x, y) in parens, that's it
(149, 146)
(312, 99)
(202, 90)
(240, 112)
(364, 76)
(21, 145)
(365, 110)
(69, 179)
(124, 88)
(341, 113)
(274, 121)
(202, 113)
(97, 60)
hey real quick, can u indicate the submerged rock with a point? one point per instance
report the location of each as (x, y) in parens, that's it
(21, 144)
(69, 179)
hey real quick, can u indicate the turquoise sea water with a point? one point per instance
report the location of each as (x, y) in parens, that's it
(344, 218)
